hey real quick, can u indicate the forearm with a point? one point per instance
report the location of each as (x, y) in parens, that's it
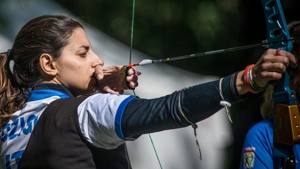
(242, 87)
(179, 109)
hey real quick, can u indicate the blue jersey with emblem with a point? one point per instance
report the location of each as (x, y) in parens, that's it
(258, 147)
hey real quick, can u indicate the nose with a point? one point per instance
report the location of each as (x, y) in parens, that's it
(97, 60)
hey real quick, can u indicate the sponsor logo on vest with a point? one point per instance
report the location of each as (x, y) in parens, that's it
(18, 127)
(249, 157)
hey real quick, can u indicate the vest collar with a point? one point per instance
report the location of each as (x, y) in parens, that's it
(43, 91)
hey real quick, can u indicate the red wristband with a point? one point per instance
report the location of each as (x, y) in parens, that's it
(246, 72)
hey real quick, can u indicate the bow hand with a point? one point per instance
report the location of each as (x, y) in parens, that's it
(272, 64)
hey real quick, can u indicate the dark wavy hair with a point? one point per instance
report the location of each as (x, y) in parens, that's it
(44, 34)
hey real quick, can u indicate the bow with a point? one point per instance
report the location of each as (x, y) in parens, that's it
(277, 30)
(286, 114)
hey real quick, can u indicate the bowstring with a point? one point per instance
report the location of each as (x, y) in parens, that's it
(131, 30)
(130, 59)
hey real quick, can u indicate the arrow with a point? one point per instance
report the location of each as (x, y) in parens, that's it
(264, 44)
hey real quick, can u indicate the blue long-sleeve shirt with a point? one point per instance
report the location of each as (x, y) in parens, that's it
(99, 124)
(258, 148)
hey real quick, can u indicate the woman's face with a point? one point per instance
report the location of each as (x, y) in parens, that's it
(77, 63)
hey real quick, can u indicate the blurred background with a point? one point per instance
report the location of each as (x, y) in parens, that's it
(169, 28)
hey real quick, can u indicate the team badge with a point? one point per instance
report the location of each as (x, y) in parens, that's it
(249, 157)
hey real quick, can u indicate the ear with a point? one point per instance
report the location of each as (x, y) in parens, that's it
(47, 65)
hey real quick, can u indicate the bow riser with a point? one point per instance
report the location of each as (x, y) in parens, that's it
(277, 31)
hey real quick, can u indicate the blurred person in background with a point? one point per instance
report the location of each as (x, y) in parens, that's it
(258, 144)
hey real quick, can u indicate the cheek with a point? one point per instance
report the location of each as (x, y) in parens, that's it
(73, 71)
(76, 68)
(74, 75)
(83, 75)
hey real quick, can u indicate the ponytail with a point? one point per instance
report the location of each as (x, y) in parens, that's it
(10, 100)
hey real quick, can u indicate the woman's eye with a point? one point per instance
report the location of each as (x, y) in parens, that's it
(82, 54)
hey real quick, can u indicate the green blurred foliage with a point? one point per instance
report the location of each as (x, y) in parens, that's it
(168, 28)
